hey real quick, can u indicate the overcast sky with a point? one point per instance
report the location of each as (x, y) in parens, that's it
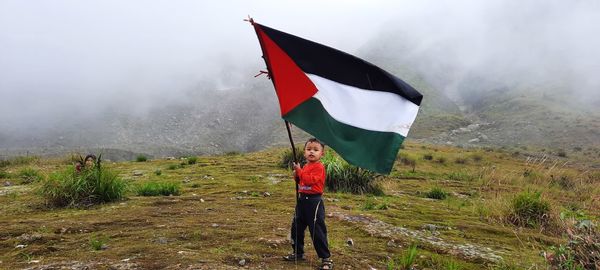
(63, 57)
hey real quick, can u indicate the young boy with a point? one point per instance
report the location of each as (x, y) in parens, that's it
(310, 210)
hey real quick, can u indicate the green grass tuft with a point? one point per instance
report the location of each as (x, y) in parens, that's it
(343, 177)
(529, 209)
(92, 186)
(192, 160)
(30, 175)
(436, 193)
(141, 158)
(287, 158)
(158, 189)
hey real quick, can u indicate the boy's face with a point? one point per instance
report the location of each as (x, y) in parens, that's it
(313, 151)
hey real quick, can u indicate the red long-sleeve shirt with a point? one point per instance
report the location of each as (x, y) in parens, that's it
(312, 178)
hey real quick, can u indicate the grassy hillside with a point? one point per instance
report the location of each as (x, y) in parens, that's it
(233, 211)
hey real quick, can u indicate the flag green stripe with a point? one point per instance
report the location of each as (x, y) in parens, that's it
(372, 150)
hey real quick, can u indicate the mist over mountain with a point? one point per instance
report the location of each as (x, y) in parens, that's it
(497, 73)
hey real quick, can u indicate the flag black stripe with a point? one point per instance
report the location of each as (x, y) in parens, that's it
(335, 65)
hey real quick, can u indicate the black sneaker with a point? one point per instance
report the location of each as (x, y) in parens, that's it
(293, 257)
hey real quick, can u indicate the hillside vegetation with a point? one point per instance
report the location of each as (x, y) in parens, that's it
(451, 208)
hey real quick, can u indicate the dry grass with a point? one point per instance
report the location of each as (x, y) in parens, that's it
(223, 215)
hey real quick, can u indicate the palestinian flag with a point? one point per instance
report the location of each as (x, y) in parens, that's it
(361, 111)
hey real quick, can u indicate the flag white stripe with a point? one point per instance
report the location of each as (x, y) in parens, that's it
(366, 109)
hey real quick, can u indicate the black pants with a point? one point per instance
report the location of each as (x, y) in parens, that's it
(310, 211)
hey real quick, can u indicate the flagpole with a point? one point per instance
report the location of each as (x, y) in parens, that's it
(289, 132)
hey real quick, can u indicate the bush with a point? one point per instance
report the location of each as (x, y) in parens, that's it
(158, 189)
(408, 161)
(562, 181)
(561, 153)
(192, 160)
(477, 157)
(441, 160)
(141, 158)
(4, 174)
(343, 177)
(88, 187)
(98, 242)
(287, 158)
(428, 156)
(582, 251)
(158, 172)
(174, 166)
(460, 160)
(528, 209)
(436, 193)
(30, 175)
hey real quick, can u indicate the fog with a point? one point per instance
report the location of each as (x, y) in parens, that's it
(72, 61)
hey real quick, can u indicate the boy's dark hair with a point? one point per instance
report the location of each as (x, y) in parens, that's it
(311, 140)
(89, 156)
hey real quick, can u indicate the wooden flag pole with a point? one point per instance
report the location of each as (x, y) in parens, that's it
(287, 126)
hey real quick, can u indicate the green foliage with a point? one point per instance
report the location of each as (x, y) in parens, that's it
(581, 252)
(461, 176)
(406, 261)
(452, 265)
(4, 174)
(287, 158)
(528, 209)
(371, 204)
(436, 193)
(174, 166)
(98, 242)
(343, 177)
(158, 172)
(90, 186)
(141, 158)
(20, 160)
(30, 175)
(158, 189)
(192, 160)
(428, 156)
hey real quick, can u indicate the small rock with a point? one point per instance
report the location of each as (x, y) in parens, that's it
(169, 158)
(214, 225)
(476, 140)
(201, 200)
(255, 211)
(21, 246)
(7, 184)
(162, 240)
(242, 262)
(186, 180)
(266, 194)
(429, 227)
(346, 207)
(138, 173)
(104, 247)
(350, 242)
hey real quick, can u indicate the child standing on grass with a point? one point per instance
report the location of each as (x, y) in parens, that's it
(310, 210)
